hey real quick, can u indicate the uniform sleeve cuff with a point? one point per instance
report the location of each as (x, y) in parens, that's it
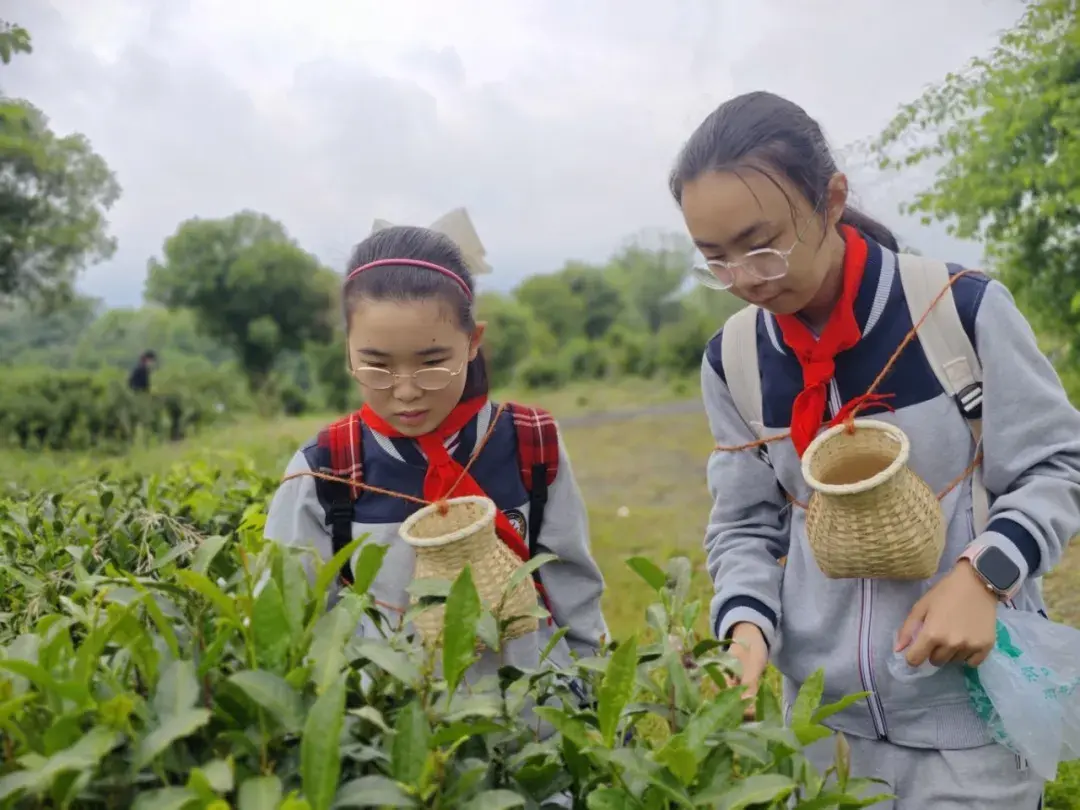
(746, 609)
(1017, 542)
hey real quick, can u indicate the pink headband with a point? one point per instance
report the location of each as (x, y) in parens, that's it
(412, 263)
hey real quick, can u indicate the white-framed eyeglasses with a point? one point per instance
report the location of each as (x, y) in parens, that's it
(763, 264)
(427, 379)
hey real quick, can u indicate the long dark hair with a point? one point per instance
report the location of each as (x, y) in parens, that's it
(403, 282)
(766, 132)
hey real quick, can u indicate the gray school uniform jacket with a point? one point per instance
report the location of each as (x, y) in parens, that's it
(574, 585)
(848, 627)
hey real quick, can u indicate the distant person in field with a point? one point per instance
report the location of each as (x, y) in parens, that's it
(833, 299)
(414, 349)
(139, 379)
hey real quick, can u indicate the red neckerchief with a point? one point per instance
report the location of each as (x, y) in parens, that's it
(817, 356)
(443, 470)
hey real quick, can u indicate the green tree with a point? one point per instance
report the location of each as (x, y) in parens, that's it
(13, 39)
(250, 286)
(600, 297)
(507, 339)
(551, 300)
(651, 277)
(1002, 137)
(54, 192)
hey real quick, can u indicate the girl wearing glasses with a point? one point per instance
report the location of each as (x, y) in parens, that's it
(414, 349)
(768, 209)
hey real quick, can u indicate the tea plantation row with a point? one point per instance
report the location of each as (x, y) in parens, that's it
(155, 652)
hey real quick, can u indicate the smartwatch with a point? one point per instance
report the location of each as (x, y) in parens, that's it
(1000, 575)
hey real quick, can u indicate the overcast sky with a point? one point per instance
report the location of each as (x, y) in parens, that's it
(554, 123)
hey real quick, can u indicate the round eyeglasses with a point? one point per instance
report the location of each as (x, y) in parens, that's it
(764, 264)
(427, 379)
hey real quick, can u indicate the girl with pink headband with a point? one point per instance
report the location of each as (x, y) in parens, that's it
(414, 348)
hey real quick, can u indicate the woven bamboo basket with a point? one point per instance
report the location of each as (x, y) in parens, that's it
(869, 515)
(465, 535)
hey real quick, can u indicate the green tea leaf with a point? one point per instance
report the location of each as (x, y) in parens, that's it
(327, 652)
(648, 571)
(320, 749)
(46, 683)
(373, 791)
(829, 709)
(677, 758)
(571, 728)
(429, 587)
(270, 627)
(199, 583)
(762, 789)
(409, 748)
(295, 592)
(170, 798)
(273, 694)
(329, 571)
(808, 699)
(607, 798)
(495, 800)
(259, 793)
(526, 569)
(459, 629)
(173, 727)
(205, 553)
(177, 689)
(616, 688)
(368, 564)
(395, 662)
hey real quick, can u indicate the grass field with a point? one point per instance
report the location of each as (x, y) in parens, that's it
(643, 479)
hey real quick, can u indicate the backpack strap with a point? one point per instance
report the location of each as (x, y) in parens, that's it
(950, 353)
(341, 446)
(538, 458)
(738, 353)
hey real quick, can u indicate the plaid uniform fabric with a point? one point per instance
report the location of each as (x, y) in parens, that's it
(345, 441)
(537, 440)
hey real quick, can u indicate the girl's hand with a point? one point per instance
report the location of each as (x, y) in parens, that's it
(750, 650)
(959, 621)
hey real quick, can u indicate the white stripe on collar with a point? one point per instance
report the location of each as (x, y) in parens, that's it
(889, 262)
(483, 421)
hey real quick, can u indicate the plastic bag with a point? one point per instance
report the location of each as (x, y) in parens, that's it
(904, 672)
(1027, 691)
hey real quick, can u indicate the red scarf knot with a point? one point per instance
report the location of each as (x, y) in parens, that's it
(817, 355)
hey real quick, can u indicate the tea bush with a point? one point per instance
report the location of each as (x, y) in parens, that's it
(156, 652)
(79, 410)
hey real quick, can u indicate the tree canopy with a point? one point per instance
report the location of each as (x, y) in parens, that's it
(54, 192)
(1002, 135)
(250, 286)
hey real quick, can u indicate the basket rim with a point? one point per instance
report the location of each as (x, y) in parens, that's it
(405, 530)
(860, 486)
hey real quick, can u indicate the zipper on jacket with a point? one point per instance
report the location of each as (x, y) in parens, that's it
(866, 612)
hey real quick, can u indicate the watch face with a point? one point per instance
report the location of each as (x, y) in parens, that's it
(997, 568)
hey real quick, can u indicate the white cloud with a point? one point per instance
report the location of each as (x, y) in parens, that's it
(555, 124)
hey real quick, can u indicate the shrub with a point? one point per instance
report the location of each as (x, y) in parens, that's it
(79, 410)
(157, 653)
(585, 359)
(632, 352)
(543, 371)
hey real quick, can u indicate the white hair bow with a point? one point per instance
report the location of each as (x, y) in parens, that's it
(459, 228)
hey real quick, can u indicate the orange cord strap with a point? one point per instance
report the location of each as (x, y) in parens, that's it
(848, 413)
(391, 493)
